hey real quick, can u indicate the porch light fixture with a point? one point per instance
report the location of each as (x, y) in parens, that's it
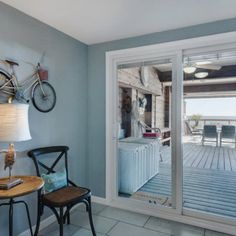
(189, 69)
(201, 75)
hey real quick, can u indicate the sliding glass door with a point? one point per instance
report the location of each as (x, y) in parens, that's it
(209, 138)
(147, 123)
(171, 136)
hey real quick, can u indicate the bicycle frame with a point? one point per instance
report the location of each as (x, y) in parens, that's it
(42, 94)
(25, 85)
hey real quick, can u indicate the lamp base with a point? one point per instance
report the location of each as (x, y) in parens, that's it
(7, 183)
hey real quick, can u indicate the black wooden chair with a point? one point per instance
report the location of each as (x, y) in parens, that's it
(65, 198)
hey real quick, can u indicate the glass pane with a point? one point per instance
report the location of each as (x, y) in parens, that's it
(209, 153)
(144, 121)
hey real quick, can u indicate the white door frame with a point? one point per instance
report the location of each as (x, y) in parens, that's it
(113, 59)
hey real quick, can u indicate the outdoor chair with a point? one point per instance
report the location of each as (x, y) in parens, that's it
(210, 134)
(190, 130)
(146, 128)
(61, 200)
(228, 134)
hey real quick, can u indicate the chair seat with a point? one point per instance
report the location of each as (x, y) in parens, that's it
(65, 196)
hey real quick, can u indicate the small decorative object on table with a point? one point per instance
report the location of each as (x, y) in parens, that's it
(14, 126)
(151, 135)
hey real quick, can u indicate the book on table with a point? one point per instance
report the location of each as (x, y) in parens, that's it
(7, 183)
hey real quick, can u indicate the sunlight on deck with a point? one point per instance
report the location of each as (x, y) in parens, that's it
(209, 177)
(206, 157)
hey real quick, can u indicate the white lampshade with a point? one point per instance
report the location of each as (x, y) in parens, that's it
(14, 124)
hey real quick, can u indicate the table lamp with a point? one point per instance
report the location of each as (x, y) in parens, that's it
(14, 127)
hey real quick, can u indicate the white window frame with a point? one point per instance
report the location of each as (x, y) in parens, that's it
(174, 50)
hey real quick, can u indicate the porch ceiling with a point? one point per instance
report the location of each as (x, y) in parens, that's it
(213, 90)
(224, 72)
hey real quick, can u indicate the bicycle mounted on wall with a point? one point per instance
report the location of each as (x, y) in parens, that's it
(43, 95)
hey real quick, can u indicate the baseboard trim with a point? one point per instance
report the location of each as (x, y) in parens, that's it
(51, 219)
(100, 200)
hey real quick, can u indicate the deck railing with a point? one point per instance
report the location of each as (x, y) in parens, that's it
(211, 121)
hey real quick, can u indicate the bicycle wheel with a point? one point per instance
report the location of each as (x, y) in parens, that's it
(43, 96)
(6, 91)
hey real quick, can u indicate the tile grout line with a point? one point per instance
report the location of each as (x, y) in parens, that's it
(102, 216)
(117, 222)
(139, 226)
(110, 218)
(154, 229)
(148, 229)
(105, 217)
(125, 222)
(101, 210)
(146, 221)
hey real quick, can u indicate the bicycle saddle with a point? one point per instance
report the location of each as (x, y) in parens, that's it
(12, 63)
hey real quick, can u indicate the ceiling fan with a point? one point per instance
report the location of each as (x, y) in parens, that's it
(190, 68)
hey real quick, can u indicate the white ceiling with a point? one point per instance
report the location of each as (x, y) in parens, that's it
(95, 21)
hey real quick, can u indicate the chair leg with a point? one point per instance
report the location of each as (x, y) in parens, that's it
(37, 224)
(11, 218)
(28, 216)
(40, 213)
(61, 221)
(68, 216)
(90, 216)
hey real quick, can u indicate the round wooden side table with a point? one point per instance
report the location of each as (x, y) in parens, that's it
(30, 184)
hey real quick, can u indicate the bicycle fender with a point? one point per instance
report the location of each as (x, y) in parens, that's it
(5, 73)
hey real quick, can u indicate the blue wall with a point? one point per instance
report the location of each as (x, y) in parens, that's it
(96, 88)
(24, 38)
(77, 72)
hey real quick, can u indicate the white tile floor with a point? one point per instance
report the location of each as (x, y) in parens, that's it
(110, 221)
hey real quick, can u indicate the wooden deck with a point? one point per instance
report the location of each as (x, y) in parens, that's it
(211, 191)
(209, 179)
(205, 157)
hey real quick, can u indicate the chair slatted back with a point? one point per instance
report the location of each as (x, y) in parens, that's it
(189, 128)
(210, 130)
(228, 131)
(35, 154)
